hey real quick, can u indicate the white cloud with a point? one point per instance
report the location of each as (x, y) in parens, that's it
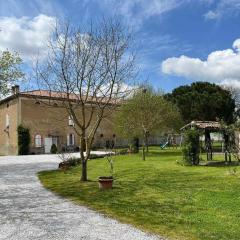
(223, 8)
(236, 44)
(27, 36)
(211, 15)
(222, 67)
(19, 8)
(136, 11)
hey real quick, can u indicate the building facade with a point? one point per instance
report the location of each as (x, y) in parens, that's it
(47, 124)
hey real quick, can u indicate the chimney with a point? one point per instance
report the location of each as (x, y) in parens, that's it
(15, 89)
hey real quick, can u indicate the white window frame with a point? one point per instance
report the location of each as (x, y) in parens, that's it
(70, 139)
(38, 140)
(7, 121)
(70, 121)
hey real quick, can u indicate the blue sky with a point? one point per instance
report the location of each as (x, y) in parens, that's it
(178, 41)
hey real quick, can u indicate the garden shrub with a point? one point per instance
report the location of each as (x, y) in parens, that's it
(122, 151)
(71, 162)
(191, 148)
(74, 161)
(23, 140)
(53, 149)
(135, 145)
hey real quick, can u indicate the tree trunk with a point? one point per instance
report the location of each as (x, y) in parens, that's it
(83, 158)
(84, 145)
(84, 170)
(226, 146)
(146, 140)
(143, 149)
(208, 145)
(143, 153)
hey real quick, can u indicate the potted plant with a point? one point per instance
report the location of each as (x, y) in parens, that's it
(106, 182)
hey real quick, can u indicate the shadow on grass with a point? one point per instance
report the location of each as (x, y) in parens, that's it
(219, 164)
(164, 154)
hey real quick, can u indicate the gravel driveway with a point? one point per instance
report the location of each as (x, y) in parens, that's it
(28, 211)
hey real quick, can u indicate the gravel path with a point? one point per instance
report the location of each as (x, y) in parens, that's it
(29, 212)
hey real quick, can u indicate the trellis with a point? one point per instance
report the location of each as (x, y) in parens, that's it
(208, 127)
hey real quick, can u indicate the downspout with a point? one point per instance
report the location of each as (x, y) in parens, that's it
(19, 115)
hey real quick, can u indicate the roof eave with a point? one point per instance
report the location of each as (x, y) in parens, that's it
(7, 99)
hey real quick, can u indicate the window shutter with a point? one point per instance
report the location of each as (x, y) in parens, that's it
(7, 120)
(73, 139)
(73, 124)
(38, 140)
(68, 140)
(70, 121)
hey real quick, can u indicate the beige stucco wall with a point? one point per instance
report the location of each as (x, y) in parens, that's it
(8, 137)
(47, 121)
(43, 120)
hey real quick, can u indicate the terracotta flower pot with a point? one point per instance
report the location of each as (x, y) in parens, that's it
(105, 182)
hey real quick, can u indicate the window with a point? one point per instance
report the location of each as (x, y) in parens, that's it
(70, 139)
(38, 140)
(70, 121)
(55, 141)
(7, 121)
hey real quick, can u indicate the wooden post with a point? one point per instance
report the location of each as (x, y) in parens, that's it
(208, 144)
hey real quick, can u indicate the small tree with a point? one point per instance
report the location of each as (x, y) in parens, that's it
(23, 140)
(87, 69)
(145, 114)
(9, 71)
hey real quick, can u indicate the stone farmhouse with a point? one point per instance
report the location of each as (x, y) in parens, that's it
(47, 124)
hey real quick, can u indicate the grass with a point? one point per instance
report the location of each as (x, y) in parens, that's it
(158, 195)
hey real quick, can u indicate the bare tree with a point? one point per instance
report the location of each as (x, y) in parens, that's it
(88, 70)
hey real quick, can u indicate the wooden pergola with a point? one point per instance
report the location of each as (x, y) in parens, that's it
(208, 127)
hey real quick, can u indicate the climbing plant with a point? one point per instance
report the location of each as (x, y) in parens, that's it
(191, 147)
(23, 140)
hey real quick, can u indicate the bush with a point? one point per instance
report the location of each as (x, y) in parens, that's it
(53, 149)
(71, 162)
(122, 151)
(191, 148)
(135, 145)
(23, 140)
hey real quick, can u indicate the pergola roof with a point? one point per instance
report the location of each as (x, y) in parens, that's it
(205, 125)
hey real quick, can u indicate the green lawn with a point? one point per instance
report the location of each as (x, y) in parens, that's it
(159, 195)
